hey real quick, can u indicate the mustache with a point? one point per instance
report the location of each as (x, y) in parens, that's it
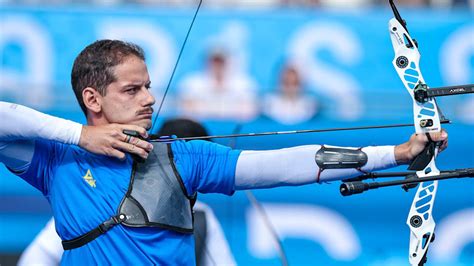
(145, 111)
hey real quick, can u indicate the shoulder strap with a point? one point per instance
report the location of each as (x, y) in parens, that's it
(94, 233)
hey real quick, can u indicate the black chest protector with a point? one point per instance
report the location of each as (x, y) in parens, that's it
(156, 197)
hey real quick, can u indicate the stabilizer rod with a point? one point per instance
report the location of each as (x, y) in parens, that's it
(423, 94)
(357, 187)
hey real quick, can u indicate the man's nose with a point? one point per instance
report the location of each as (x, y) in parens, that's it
(149, 99)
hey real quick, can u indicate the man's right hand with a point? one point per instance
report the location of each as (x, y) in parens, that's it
(110, 140)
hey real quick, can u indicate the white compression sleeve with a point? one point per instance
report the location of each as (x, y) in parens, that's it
(20, 126)
(20, 122)
(297, 166)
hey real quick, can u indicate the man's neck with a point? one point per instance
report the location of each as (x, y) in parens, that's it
(96, 120)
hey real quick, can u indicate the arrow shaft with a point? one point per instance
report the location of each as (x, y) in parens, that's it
(155, 138)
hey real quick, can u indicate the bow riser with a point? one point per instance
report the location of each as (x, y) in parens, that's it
(426, 120)
(406, 62)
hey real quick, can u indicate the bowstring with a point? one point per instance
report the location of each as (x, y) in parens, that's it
(175, 66)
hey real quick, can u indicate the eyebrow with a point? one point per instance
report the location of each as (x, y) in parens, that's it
(135, 84)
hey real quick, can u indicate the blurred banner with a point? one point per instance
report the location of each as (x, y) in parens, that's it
(345, 59)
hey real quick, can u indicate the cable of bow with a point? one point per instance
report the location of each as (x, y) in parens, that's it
(261, 209)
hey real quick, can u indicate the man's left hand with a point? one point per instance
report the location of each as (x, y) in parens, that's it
(406, 152)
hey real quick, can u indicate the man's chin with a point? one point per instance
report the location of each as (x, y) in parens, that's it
(147, 124)
(144, 123)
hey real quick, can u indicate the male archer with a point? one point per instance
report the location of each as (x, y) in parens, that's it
(112, 211)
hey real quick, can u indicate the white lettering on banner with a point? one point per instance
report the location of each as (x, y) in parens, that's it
(455, 62)
(453, 233)
(343, 45)
(30, 85)
(323, 226)
(158, 45)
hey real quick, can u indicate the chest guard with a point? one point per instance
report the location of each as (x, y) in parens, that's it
(156, 197)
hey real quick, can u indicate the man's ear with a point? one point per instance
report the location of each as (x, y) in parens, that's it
(92, 99)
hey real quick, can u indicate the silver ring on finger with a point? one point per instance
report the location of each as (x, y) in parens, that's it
(136, 143)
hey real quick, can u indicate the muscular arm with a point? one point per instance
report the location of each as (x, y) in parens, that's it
(297, 166)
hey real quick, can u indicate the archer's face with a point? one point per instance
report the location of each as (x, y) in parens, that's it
(128, 99)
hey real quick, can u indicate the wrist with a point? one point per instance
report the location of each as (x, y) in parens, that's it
(402, 154)
(83, 137)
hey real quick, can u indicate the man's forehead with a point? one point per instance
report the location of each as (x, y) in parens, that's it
(132, 70)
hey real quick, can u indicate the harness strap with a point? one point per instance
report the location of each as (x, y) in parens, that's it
(200, 236)
(94, 233)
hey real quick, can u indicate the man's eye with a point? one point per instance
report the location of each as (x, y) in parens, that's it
(131, 90)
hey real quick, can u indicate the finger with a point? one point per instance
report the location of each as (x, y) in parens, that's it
(124, 138)
(444, 134)
(117, 154)
(439, 136)
(142, 144)
(138, 142)
(444, 145)
(132, 148)
(138, 151)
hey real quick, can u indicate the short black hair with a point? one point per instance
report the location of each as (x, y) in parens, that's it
(93, 67)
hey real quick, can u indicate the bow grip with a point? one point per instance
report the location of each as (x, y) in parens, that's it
(424, 158)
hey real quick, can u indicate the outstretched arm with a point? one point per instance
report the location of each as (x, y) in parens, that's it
(299, 165)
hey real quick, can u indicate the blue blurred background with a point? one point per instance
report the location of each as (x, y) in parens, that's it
(344, 54)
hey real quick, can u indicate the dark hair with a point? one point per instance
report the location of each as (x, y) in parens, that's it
(94, 66)
(182, 128)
